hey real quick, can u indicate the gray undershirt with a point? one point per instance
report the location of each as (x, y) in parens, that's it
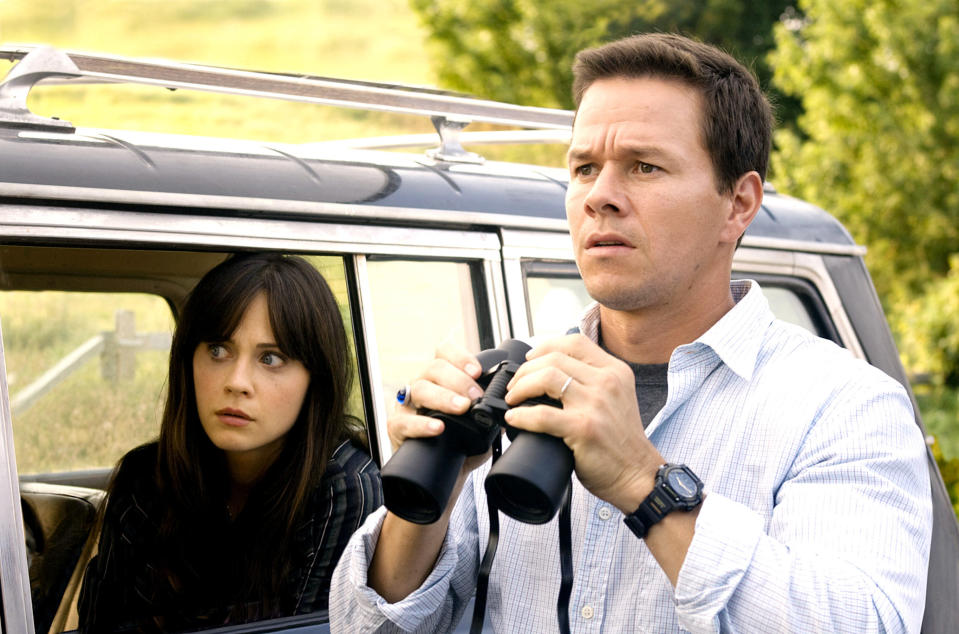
(651, 387)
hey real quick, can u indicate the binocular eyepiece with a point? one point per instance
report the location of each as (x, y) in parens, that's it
(527, 482)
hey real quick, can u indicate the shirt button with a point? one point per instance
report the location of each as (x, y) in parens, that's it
(587, 611)
(605, 513)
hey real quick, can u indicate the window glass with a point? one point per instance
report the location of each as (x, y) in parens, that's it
(87, 371)
(555, 303)
(787, 306)
(333, 269)
(416, 306)
(86, 375)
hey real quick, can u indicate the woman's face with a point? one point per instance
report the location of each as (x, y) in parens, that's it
(248, 393)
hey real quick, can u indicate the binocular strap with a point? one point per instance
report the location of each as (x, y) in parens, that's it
(482, 581)
(565, 559)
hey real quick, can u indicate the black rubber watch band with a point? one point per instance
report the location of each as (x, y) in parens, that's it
(650, 511)
(661, 501)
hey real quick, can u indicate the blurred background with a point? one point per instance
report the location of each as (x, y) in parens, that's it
(866, 91)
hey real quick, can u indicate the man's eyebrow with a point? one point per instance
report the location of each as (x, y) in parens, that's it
(650, 152)
(578, 154)
(647, 151)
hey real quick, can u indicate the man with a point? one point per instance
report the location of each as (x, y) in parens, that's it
(816, 514)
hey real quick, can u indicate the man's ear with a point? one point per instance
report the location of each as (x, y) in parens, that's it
(745, 200)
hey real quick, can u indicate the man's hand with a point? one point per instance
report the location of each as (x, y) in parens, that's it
(599, 421)
(406, 552)
(447, 385)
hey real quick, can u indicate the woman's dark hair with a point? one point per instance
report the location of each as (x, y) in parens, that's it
(737, 118)
(191, 471)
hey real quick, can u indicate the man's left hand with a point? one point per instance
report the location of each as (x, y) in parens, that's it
(599, 421)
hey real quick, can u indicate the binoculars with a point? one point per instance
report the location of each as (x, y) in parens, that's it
(527, 482)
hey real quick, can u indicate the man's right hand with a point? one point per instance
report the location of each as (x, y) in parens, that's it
(448, 384)
(406, 552)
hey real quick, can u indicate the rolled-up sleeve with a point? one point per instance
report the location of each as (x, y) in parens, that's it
(847, 546)
(436, 606)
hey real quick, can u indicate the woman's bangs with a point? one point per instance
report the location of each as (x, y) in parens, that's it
(219, 317)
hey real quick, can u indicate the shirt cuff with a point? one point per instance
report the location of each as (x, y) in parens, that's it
(726, 537)
(408, 613)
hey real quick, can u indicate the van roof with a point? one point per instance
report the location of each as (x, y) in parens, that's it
(50, 160)
(275, 180)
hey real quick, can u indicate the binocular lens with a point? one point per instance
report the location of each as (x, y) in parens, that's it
(529, 480)
(418, 480)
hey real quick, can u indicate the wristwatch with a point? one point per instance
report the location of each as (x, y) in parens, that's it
(677, 489)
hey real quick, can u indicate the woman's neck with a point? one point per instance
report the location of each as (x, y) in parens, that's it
(245, 470)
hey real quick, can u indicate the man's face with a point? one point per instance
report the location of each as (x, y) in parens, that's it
(647, 221)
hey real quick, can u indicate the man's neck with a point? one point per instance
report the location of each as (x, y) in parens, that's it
(649, 335)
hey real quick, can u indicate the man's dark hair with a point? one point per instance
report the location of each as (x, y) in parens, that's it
(737, 122)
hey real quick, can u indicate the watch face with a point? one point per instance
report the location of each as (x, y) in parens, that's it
(682, 483)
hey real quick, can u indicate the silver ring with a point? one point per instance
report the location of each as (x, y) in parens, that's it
(565, 385)
(404, 395)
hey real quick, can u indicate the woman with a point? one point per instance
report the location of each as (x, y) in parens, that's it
(241, 509)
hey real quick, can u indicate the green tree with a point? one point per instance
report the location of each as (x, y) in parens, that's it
(878, 146)
(521, 50)
(879, 141)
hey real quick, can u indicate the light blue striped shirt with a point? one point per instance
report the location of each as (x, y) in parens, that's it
(817, 516)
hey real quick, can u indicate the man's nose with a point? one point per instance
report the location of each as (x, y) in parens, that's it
(606, 193)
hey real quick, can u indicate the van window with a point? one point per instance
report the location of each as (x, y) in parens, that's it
(417, 305)
(86, 375)
(333, 270)
(787, 306)
(87, 371)
(555, 303)
(557, 298)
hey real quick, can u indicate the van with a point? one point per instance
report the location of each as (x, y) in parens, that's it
(104, 232)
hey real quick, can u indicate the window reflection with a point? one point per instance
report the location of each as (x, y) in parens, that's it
(555, 303)
(416, 306)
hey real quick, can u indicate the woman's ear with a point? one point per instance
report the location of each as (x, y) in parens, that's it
(745, 200)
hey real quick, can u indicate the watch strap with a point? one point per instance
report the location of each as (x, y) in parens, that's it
(653, 509)
(663, 500)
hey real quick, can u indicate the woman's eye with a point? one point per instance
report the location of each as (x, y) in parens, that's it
(217, 351)
(272, 359)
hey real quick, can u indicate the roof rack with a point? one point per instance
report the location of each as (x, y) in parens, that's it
(450, 112)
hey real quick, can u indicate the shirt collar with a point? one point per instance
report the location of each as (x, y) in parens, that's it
(731, 338)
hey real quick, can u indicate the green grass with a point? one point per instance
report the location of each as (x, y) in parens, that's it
(363, 39)
(85, 420)
(940, 414)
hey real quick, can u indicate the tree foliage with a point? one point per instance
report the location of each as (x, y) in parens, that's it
(879, 142)
(929, 329)
(521, 51)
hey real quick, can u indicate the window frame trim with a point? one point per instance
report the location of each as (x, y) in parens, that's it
(495, 313)
(805, 266)
(14, 569)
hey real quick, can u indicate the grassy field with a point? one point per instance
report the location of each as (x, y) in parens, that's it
(358, 39)
(85, 420)
(361, 39)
